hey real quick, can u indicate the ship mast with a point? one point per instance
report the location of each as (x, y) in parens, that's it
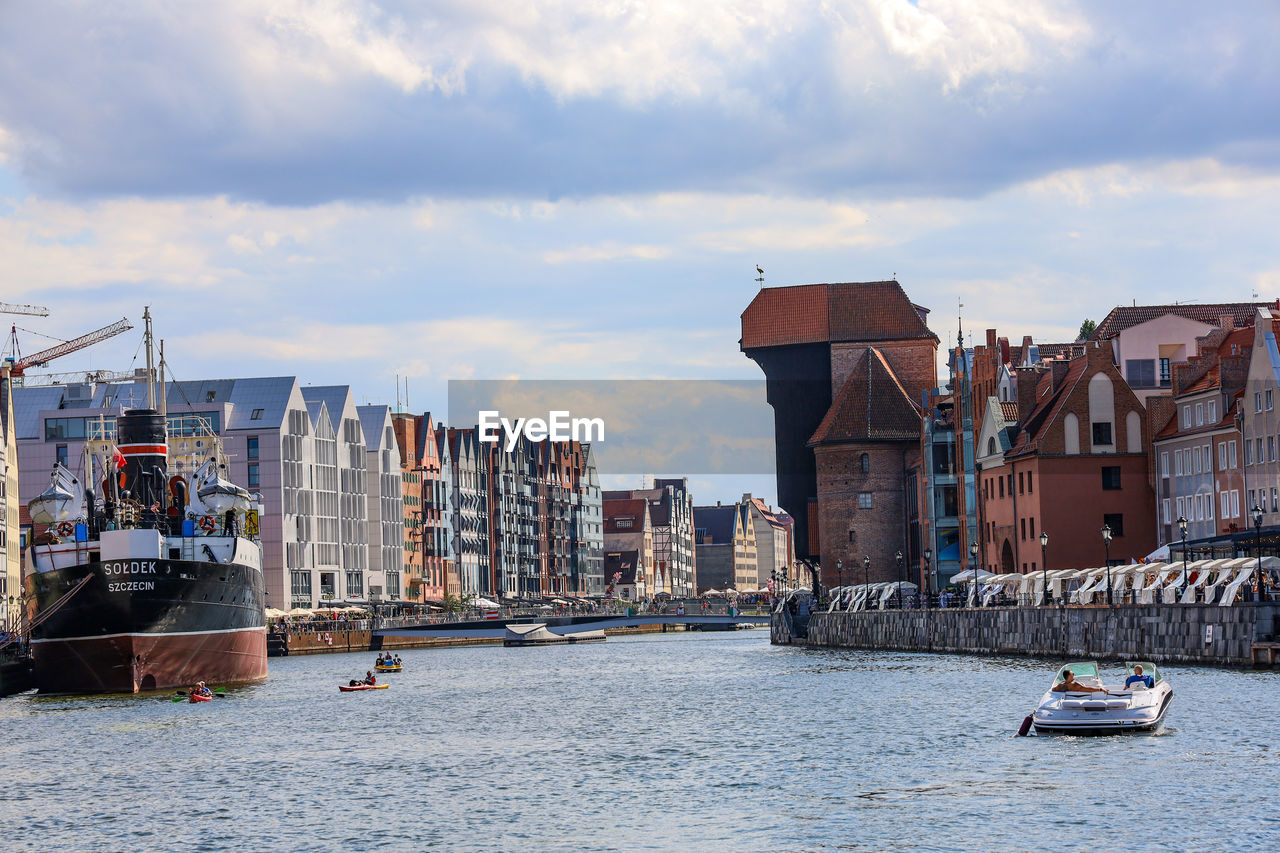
(164, 407)
(151, 374)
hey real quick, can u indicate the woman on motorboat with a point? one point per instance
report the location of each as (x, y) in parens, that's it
(1068, 684)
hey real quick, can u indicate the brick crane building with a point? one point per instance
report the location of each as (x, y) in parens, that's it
(846, 368)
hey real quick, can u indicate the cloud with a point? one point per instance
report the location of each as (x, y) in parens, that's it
(605, 252)
(306, 102)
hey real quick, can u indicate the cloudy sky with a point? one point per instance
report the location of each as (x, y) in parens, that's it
(349, 191)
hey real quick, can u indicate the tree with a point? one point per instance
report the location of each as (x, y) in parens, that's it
(1086, 329)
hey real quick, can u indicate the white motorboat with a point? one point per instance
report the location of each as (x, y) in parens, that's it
(1138, 707)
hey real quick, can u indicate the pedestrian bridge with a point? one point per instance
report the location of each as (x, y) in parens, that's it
(497, 628)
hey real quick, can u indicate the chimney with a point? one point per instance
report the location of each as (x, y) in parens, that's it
(991, 337)
(1058, 368)
(1027, 379)
(717, 503)
(1026, 348)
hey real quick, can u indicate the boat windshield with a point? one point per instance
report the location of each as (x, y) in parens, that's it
(1082, 670)
(1148, 668)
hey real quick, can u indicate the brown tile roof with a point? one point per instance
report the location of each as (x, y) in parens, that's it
(816, 313)
(872, 406)
(614, 510)
(1048, 404)
(1126, 316)
(1071, 350)
(1009, 411)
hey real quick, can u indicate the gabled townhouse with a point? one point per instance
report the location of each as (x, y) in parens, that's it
(1079, 461)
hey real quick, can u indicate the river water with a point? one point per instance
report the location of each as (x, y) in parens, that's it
(657, 742)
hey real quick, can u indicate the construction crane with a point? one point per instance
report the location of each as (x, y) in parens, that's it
(33, 310)
(88, 377)
(75, 344)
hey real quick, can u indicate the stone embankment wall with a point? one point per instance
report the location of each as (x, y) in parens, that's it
(1187, 633)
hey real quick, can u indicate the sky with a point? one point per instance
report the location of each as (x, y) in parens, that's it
(353, 191)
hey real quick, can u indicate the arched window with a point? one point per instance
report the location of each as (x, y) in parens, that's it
(991, 447)
(865, 461)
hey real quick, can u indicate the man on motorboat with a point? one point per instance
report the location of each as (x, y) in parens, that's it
(1139, 678)
(1068, 684)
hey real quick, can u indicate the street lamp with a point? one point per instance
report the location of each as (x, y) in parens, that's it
(973, 564)
(928, 581)
(1106, 542)
(1182, 528)
(1044, 564)
(1257, 541)
(839, 572)
(866, 570)
(898, 557)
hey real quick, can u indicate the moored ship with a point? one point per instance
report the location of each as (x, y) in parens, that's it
(145, 581)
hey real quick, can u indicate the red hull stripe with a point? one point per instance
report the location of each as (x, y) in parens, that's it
(132, 449)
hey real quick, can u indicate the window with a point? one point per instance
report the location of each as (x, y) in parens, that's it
(1164, 465)
(1020, 488)
(1102, 433)
(1257, 451)
(1199, 503)
(1177, 462)
(1208, 507)
(1253, 501)
(1225, 500)
(1182, 511)
(1235, 503)
(1197, 465)
(253, 447)
(1114, 520)
(1222, 456)
(1111, 477)
(1022, 526)
(1030, 490)
(1231, 454)
(864, 501)
(1213, 411)
(61, 451)
(355, 584)
(1269, 406)
(1248, 452)
(300, 584)
(1274, 506)
(1164, 372)
(253, 474)
(1271, 448)
(1031, 524)
(1257, 401)
(1002, 487)
(624, 523)
(1199, 414)
(1164, 506)
(256, 415)
(1140, 372)
(1186, 417)
(210, 396)
(866, 464)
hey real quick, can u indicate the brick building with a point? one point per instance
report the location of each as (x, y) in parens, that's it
(1079, 461)
(846, 367)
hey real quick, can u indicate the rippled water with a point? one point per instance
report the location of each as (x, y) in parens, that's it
(675, 741)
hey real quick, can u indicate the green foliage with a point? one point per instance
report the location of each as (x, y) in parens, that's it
(1086, 329)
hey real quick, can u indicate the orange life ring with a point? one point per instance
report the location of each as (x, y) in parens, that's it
(206, 523)
(66, 528)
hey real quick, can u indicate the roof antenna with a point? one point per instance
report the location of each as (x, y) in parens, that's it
(761, 278)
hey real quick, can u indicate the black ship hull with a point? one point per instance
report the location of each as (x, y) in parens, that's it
(148, 624)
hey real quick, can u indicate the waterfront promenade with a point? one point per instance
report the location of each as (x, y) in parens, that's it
(1192, 633)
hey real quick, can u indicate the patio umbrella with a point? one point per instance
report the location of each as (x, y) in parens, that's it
(272, 613)
(967, 576)
(300, 611)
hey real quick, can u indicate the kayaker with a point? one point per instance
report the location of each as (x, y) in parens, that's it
(201, 690)
(369, 679)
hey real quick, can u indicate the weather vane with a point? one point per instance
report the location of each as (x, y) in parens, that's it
(761, 278)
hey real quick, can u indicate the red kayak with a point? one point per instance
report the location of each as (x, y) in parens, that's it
(345, 688)
(196, 697)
